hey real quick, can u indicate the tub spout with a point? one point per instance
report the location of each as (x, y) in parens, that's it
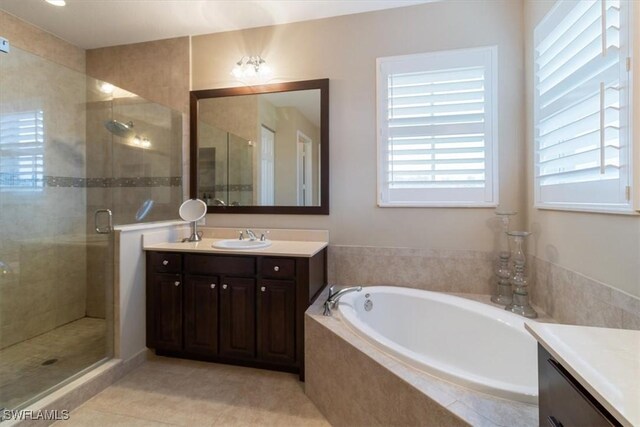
(332, 300)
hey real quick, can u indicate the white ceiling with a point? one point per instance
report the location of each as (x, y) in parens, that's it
(98, 23)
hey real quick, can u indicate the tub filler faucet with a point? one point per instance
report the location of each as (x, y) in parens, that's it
(332, 300)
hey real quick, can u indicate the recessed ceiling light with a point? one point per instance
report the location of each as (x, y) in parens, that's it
(57, 2)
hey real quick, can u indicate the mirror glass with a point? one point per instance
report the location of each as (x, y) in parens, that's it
(193, 210)
(260, 150)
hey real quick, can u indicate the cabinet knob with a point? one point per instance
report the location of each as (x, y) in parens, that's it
(176, 283)
(224, 286)
(213, 286)
(165, 262)
(263, 288)
(276, 268)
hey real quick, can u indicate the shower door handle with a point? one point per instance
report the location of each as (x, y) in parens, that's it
(109, 227)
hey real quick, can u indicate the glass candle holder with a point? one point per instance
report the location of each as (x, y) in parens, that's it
(502, 272)
(519, 280)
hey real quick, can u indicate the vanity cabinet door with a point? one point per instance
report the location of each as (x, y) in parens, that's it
(238, 317)
(167, 302)
(201, 315)
(563, 401)
(276, 321)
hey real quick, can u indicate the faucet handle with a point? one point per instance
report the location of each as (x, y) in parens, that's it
(241, 236)
(264, 235)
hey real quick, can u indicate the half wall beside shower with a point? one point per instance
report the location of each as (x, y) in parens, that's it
(61, 161)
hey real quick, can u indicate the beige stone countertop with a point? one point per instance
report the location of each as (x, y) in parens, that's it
(605, 361)
(277, 248)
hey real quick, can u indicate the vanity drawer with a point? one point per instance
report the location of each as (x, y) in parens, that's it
(220, 265)
(563, 401)
(162, 262)
(278, 267)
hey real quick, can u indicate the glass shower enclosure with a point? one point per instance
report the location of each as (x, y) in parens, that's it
(73, 151)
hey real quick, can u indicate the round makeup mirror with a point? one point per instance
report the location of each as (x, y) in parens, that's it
(193, 210)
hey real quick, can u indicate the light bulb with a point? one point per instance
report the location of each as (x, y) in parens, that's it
(137, 140)
(57, 2)
(106, 87)
(237, 71)
(265, 70)
(146, 143)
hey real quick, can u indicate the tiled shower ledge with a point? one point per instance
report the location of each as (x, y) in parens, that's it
(473, 407)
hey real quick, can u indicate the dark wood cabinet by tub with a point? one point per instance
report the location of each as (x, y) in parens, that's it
(238, 309)
(563, 401)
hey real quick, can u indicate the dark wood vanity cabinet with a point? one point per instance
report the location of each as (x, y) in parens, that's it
(563, 401)
(200, 314)
(238, 318)
(238, 309)
(276, 338)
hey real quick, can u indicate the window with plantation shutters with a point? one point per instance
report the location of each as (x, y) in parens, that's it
(437, 145)
(582, 108)
(22, 151)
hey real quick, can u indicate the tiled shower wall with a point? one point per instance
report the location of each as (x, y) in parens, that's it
(122, 177)
(42, 228)
(565, 295)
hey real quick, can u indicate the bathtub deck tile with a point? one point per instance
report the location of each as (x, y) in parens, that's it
(471, 416)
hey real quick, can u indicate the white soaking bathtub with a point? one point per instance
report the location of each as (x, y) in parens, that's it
(469, 343)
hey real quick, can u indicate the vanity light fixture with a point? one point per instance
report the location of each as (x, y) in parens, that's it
(142, 142)
(251, 66)
(57, 2)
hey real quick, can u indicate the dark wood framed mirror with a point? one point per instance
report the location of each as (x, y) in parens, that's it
(261, 149)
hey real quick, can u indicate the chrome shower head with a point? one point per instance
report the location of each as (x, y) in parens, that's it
(123, 130)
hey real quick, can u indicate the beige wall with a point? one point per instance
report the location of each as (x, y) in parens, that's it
(290, 121)
(344, 49)
(30, 38)
(237, 115)
(156, 70)
(603, 247)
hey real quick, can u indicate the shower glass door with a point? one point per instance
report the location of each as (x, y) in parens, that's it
(59, 163)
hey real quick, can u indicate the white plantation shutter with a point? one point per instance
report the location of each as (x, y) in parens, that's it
(22, 150)
(582, 157)
(436, 118)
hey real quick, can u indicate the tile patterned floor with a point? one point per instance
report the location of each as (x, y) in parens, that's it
(167, 391)
(76, 346)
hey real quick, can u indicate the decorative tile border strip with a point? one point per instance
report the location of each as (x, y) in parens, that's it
(65, 181)
(225, 187)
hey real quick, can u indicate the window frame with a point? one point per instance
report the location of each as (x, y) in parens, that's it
(433, 61)
(627, 170)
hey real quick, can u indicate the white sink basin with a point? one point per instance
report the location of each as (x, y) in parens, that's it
(241, 244)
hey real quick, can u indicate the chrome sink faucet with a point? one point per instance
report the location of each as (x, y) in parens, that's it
(251, 234)
(334, 297)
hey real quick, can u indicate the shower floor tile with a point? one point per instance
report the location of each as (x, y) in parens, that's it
(165, 391)
(33, 366)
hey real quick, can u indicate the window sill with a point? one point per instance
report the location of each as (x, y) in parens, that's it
(628, 211)
(438, 205)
